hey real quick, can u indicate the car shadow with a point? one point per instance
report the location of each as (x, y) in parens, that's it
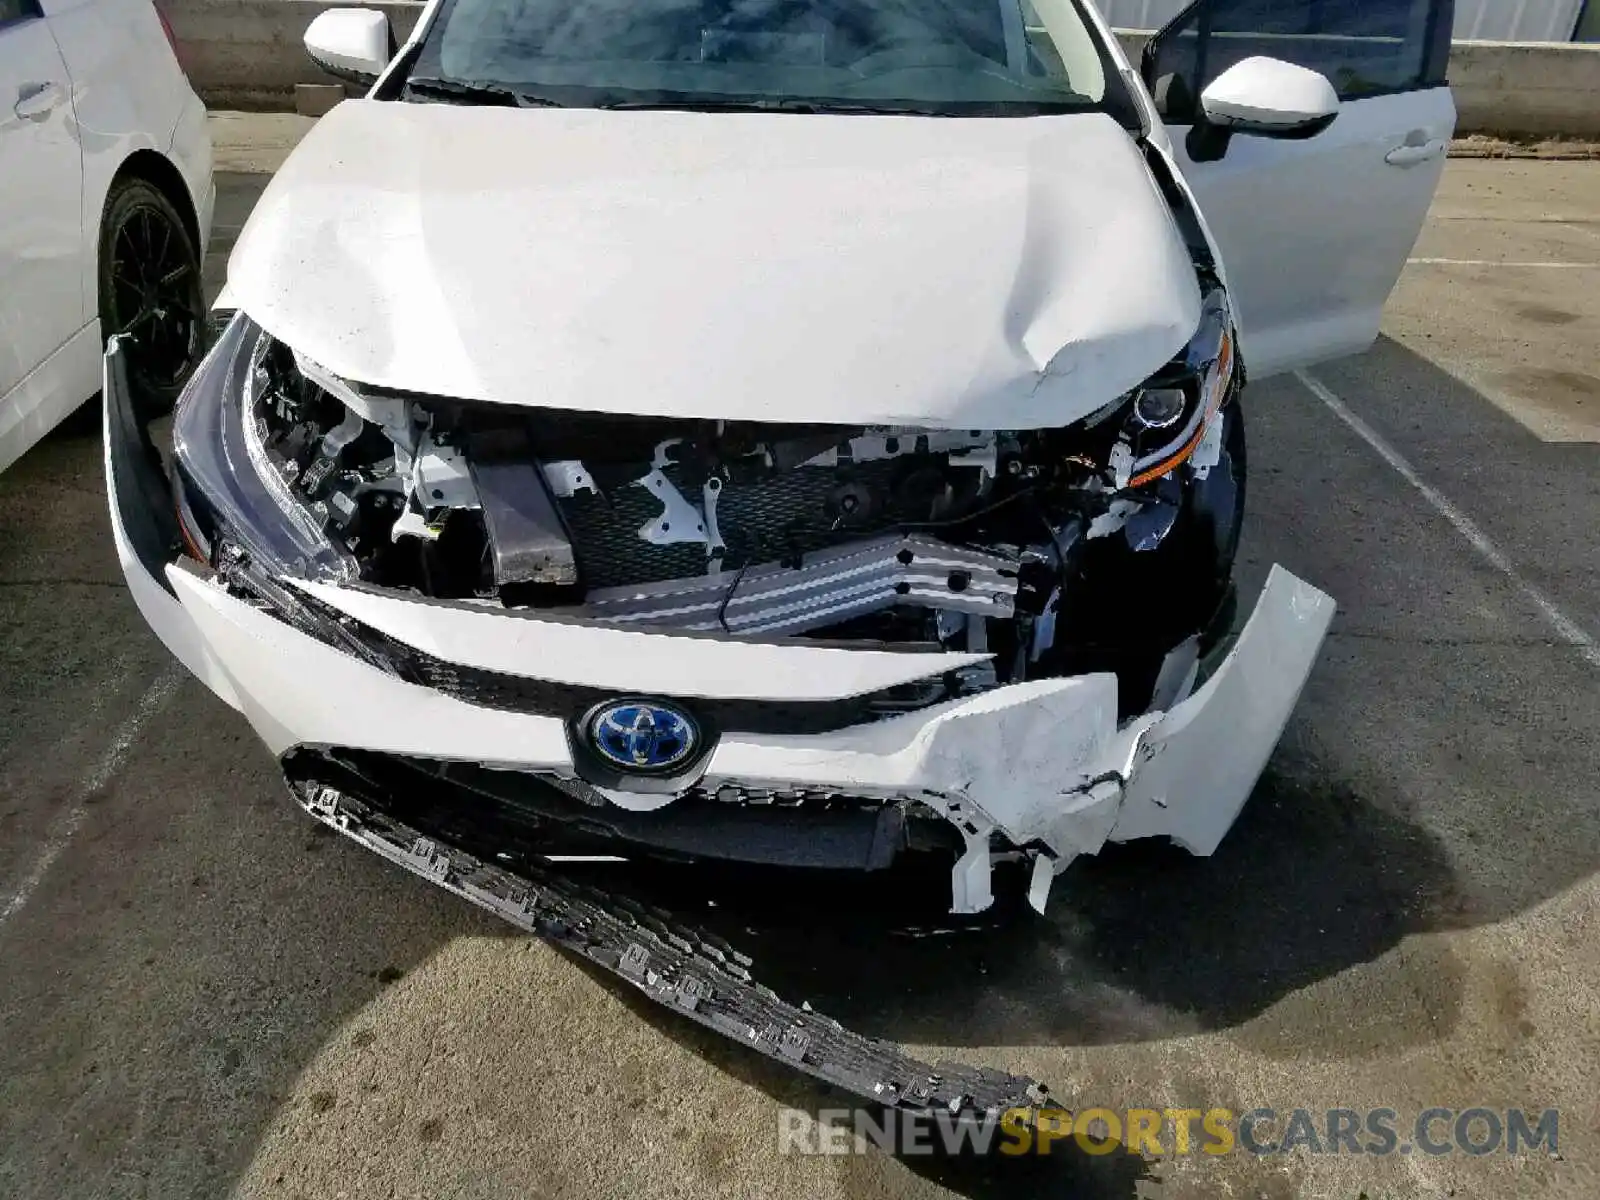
(1140, 942)
(1415, 790)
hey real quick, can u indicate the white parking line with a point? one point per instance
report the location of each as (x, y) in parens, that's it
(104, 768)
(1491, 262)
(1495, 219)
(1571, 632)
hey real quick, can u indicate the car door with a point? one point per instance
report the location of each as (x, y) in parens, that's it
(1314, 233)
(41, 172)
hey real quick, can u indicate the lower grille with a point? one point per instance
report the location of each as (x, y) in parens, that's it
(516, 816)
(738, 793)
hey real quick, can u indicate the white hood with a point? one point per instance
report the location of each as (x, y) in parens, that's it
(995, 273)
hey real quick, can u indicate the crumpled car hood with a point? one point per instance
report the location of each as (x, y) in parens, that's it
(988, 273)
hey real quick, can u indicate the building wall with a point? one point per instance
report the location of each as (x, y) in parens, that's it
(1492, 20)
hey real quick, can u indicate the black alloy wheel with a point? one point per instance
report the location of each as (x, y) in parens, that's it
(150, 290)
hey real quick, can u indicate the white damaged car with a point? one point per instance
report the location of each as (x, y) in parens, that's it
(794, 432)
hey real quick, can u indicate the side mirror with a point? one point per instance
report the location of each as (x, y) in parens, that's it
(1262, 97)
(351, 43)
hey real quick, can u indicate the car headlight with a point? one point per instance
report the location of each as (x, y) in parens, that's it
(236, 510)
(231, 491)
(1169, 416)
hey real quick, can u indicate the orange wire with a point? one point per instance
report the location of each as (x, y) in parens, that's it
(189, 543)
(1177, 460)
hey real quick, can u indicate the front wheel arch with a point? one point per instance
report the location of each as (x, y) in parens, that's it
(158, 171)
(148, 183)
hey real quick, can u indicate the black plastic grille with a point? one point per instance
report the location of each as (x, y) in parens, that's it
(761, 521)
(519, 693)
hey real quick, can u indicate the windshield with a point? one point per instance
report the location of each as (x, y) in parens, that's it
(935, 57)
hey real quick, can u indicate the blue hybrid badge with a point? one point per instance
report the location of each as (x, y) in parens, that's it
(642, 736)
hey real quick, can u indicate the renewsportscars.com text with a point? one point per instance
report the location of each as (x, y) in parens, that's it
(1168, 1131)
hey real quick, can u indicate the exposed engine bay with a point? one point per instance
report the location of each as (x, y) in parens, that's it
(1054, 551)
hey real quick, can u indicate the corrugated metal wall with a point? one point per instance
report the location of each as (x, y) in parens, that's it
(1517, 20)
(1492, 20)
(1140, 14)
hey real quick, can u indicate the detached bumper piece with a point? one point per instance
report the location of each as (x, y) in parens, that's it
(677, 966)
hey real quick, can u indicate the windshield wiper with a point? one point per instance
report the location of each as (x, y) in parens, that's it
(1054, 103)
(477, 91)
(773, 104)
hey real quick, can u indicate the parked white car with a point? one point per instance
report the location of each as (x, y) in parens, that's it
(789, 432)
(105, 206)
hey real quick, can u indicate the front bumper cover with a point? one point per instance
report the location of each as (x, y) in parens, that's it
(1043, 766)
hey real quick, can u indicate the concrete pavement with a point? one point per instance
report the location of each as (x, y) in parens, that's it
(204, 996)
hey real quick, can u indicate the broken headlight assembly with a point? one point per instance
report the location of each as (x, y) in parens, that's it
(236, 508)
(233, 495)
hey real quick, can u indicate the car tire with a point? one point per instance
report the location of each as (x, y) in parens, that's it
(150, 289)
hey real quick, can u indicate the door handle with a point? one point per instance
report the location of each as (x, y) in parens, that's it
(36, 100)
(1415, 153)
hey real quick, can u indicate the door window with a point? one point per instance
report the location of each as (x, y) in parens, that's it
(1366, 47)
